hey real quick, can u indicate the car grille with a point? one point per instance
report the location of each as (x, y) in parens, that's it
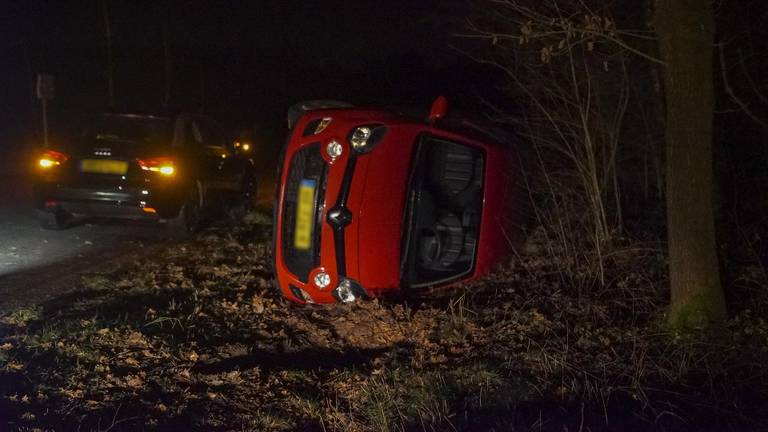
(307, 163)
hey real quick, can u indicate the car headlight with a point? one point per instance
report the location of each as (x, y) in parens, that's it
(344, 291)
(348, 291)
(364, 138)
(359, 138)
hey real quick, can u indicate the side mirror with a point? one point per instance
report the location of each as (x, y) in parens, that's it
(439, 110)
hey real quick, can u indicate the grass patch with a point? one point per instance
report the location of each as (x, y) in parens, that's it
(22, 316)
(197, 339)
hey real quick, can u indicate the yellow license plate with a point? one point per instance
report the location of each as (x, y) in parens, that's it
(102, 166)
(305, 215)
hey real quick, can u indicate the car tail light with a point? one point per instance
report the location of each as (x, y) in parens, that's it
(50, 159)
(163, 165)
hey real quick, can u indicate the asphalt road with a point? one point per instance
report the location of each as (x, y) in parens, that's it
(37, 264)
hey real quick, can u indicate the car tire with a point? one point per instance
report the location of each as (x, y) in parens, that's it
(189, 220)
(53, 220)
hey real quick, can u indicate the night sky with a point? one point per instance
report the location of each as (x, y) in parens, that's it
(243, 62)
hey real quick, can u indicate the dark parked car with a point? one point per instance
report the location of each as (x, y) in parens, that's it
(177, 169)
(372, 202)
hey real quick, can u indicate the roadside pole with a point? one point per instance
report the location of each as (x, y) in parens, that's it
(45, 123)
(45, 91)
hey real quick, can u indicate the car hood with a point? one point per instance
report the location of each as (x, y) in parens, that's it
(379, 205)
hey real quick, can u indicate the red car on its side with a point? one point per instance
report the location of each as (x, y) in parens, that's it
(371, 202)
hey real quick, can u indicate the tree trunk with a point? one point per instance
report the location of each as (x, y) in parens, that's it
(686, 32)
(167, 67)
(110, 61)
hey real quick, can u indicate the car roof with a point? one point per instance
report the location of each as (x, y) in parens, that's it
(134, 115)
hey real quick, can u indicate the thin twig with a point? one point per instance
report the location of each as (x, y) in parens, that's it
(729, 90)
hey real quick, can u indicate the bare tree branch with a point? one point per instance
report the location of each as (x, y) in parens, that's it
(751, 81)
(729, 90)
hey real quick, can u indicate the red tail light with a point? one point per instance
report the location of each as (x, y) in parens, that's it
(164, 165)
(51, 158)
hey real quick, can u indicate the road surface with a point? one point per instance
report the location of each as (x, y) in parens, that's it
(38, 264)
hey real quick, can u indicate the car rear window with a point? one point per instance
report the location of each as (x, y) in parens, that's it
(128, 129)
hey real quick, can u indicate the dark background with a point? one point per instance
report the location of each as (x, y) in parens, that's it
(244, 62)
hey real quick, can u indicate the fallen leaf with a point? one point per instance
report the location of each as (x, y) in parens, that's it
(14, 366)
(134, 381)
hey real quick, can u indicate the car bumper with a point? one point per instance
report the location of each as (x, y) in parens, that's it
(125, 202)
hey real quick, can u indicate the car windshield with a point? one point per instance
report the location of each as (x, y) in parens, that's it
(129, 129)
(443, 214)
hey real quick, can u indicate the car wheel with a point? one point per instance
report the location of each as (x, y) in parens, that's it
(189, 220)
(53, 220)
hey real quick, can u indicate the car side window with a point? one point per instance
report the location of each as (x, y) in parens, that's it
(197, 136)
(217, 135)
(211, 132)
(178, 132)
(191, 137)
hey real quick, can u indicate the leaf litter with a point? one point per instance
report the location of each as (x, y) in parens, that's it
(197, 338)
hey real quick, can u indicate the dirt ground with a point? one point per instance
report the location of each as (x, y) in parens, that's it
(195, 337)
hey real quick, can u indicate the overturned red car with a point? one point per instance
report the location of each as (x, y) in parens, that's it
(372, 202)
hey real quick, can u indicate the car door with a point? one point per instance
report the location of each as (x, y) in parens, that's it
(193, 166)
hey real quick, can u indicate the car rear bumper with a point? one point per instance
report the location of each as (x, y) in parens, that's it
(127, 203)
